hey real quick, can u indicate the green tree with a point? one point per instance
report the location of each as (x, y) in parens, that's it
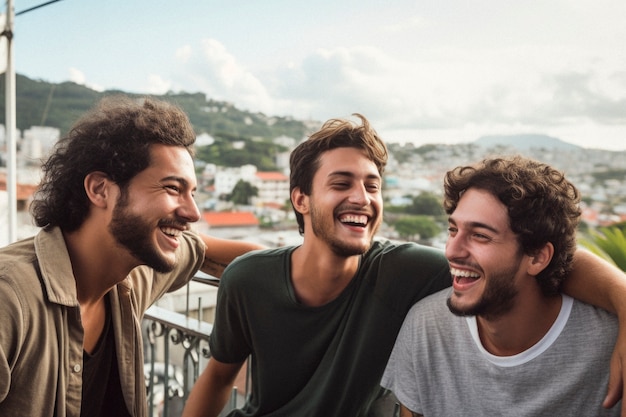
(243, 192)
(427, 204)
(421, 228)
(224, 152)
(608, 243)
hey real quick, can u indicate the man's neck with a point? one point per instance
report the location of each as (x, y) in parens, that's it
(97, 265)
(521, 328)
(319, 277)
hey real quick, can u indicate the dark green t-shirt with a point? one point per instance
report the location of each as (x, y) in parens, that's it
(319, 361)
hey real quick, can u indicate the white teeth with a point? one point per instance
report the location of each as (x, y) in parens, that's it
(171, 231)
(459, 273)
(355, 219)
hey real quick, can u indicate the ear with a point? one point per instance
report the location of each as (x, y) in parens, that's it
(540, 260)
(98, 188)
(300, 201)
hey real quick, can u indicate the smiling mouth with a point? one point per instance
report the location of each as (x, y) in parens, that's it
(171, 231)
(464, 277)
(359, 220)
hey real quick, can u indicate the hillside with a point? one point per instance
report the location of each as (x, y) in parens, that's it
(41, 103)
(524, 142)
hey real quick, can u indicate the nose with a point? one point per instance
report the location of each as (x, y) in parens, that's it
(455, 247)
(359, 195)
(188, 210)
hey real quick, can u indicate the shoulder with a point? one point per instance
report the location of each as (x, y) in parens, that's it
(409, 253)
(585, 313)
(28, 265)
(192, 246)
(432, 308)
(430, 321)
(250, 266)
(17, 257)
(21, 290)
(407, 263)
(261, 256)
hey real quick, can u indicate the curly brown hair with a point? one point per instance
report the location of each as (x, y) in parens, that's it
(543, 206)
(335, 133)
(114, 137)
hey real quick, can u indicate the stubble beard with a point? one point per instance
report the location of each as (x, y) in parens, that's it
(324, 230)
(497, 299)
(133, 233)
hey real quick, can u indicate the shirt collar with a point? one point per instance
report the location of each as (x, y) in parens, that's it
(56, 268)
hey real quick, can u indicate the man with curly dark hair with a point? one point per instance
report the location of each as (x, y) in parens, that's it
(511, 243)
(115, 207)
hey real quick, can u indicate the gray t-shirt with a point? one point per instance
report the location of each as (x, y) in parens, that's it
(438, 366)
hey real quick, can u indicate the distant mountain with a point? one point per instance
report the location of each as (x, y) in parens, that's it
(40, 103)
(525, 142)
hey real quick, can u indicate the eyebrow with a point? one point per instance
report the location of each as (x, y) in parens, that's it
(351, 174)
(180, 180)
(476, 225)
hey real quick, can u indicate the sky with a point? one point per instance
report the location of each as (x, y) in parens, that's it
(447, 71)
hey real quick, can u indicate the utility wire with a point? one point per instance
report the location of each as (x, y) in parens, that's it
(36, 7)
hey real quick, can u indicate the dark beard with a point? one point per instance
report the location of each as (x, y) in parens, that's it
(498, 299)
(133, 233)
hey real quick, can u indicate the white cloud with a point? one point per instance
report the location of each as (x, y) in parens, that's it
(506, 72)
(79, 78)
(448, 69)
(217, 72)
(509, 88)
(184, 53)
(157, 85)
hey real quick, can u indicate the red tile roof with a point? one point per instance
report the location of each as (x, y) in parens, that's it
(272, 176)
(273, 205)
(230, 219)
(24, 191)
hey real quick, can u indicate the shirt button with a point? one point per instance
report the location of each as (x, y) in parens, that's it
(77, 368)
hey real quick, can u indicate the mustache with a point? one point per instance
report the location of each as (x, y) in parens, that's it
(464, 263)
(177, 223)
(355, 209)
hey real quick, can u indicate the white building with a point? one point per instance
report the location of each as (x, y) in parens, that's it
(226, 178)
(38, 141)
(273, 187)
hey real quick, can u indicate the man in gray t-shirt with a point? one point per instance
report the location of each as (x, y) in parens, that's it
(514, 346)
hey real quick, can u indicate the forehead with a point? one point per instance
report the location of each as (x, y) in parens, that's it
(478, 206)
(346, 161)
(170, 162)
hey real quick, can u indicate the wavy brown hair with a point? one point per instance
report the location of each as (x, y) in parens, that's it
(114, 137)
(543, 206)
(335, 133)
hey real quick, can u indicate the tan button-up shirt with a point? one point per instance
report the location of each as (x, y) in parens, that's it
(41, 336)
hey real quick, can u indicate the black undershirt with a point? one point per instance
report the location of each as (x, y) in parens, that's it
(102, 390)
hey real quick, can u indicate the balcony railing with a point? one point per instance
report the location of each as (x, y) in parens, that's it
(176, 351)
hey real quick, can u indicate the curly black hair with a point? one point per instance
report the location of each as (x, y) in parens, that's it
(114, 137)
